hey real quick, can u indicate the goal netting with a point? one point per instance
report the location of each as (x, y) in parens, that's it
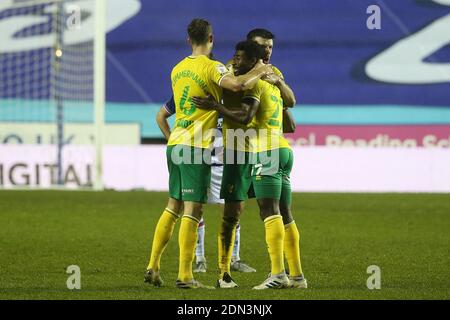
(51, 92)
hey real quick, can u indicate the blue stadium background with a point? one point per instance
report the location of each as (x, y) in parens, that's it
(321, 47)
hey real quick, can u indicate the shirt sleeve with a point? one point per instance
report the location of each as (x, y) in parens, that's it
(218, 71)
(277, 72)
(230, 67)
(254, 93)
(170, 106)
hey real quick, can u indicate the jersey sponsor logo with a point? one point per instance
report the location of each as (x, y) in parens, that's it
(20, 27)
(183, 123)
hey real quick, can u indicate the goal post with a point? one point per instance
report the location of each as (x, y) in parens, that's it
(99, 88)
(52, 88)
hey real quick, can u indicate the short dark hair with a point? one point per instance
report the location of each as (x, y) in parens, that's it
(199, 31)
(263, 33)
(251, 49)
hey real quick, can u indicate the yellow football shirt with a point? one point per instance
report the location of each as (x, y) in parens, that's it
(268, 121)
(195, 76)
(275, 69)
(277, 72)
(232, 100)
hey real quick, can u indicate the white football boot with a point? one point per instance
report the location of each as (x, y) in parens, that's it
(226, 282)
(276, 281)
(298, 282)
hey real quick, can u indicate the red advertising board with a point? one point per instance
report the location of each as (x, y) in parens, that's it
(372, 136)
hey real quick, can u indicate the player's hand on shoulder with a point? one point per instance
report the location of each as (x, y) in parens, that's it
(259, 64)
(271, 78)
(265, 68)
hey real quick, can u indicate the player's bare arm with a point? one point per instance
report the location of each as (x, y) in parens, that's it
(288, 121)
(244, 115)
(248, 80)
(286, 92)
(163, 124)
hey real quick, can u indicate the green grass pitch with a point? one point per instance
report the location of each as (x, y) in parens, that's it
(108, 235)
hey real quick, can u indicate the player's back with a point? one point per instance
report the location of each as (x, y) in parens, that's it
(195, 76)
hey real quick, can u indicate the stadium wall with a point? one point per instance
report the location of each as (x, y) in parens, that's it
(349, 122)
(383, 91)
(318, 169)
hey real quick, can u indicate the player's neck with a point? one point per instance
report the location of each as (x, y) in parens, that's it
(200, 50)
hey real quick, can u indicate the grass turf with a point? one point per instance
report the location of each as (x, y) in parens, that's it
(108, 234)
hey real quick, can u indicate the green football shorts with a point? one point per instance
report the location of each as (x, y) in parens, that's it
(237, 178)
(189, 175)
(271, 175)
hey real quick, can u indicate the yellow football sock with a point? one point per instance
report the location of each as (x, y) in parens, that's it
(292, 249)
(187, 240)
(275, 239)
(163, 233)
(226, 237)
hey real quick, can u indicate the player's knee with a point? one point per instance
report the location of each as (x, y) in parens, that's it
(174, 205)
(193, 209)
(268, 207)
(267, 212)
(233, 209)
(232, 221)
(286, 214)
(287, 219)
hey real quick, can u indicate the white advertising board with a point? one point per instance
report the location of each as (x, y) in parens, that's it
(74, 133)
(318, 169)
